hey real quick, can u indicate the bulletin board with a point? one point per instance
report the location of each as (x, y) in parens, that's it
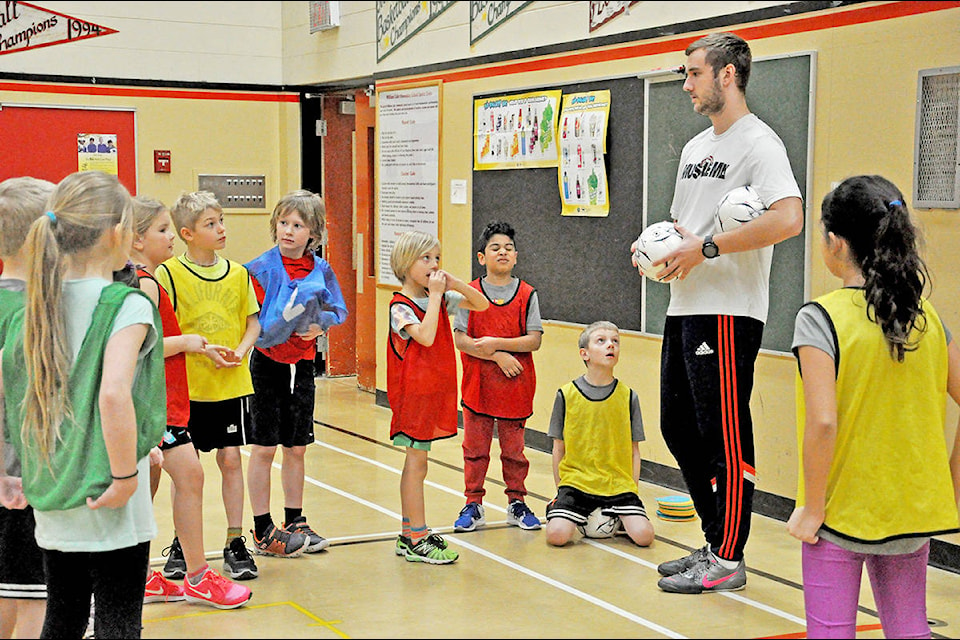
(41, 141)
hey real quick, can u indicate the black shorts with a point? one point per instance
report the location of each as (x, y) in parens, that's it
(174, 437)
(281, 407)
(218, 425)
(21, 561)
(575, 505)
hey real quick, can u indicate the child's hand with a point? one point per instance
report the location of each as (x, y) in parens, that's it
(229, 357)
(116, 495)
(437, 282)
(485, 345)
(215, 353)
(510, 366)
(156, 457)
(453, 282)
(313, 332)
(11, 493)
(803, 525)
(194, 343)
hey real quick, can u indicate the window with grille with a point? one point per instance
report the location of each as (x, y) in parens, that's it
(937, 147)
(324, 15)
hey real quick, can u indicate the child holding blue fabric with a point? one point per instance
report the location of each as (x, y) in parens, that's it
(300, 300)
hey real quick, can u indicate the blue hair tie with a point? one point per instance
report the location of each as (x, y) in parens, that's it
(896, 203)
(52, 216)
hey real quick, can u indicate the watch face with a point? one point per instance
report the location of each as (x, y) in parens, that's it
(710, 250)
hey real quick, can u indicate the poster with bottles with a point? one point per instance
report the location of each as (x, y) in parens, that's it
(516, 131)
(582, 173)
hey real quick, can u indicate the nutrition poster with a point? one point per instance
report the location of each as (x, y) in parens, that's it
(516, 131)
(582, 173)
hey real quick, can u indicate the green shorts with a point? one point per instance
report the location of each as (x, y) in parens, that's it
(404, 441)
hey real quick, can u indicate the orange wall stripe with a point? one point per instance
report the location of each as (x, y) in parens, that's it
(145, 92)
(787, 27)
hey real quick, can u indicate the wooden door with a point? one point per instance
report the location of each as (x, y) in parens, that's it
(365, 242)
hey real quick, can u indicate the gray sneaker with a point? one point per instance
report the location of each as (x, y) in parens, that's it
(673, 567)
(176, 567)
(315, 542)
(706, 575)
(237, 561)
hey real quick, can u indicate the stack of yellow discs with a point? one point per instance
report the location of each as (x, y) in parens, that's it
(676, 508)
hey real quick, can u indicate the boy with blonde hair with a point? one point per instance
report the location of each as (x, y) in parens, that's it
(595, 426)
(213, 297)
(23, 589)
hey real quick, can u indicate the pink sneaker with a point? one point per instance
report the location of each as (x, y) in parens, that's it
(159, 589)
(216, 591)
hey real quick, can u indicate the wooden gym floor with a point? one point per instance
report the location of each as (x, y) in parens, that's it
(507, 583)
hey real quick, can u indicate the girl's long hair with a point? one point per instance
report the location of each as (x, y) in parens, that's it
(871, 213)
(83, 207)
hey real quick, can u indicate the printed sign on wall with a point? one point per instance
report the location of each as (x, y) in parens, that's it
(398, 21)
(486, 15)
(583, 141)
(97, 152)
(26, 26)
(516, 131)
(408, 175)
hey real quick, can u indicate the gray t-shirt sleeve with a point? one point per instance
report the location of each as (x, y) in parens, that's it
(555, 430)
(534, 321)
(636, 418)
(460, 319)
(814, 329)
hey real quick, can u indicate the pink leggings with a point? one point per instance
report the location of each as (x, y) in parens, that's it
(831, 588)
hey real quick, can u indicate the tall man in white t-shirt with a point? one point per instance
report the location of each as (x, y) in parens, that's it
(719, 295)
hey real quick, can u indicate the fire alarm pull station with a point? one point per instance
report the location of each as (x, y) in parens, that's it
(161, 161)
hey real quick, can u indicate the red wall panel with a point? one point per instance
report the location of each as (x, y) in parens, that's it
(42, 142)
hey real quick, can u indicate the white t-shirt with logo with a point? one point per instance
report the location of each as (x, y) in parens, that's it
(748, 153)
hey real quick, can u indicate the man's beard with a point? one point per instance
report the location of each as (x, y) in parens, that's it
(712, 103)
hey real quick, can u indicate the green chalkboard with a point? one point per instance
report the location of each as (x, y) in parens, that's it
(779, 93)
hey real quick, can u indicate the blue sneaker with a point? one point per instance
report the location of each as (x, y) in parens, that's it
(471, 517)
(520, 515)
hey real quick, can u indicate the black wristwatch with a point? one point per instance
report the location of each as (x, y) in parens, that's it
(709, 248)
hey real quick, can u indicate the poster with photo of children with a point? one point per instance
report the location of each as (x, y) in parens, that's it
(97, 152)
(582, 173)
(516, 131)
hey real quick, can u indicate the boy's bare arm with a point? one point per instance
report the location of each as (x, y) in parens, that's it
(250, 335)
(488, 345)
(636, 463)
(559, 450)
(472, 299)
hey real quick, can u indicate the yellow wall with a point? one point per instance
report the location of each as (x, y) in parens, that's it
(866, 82)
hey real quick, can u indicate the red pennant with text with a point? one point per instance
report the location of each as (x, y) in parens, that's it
(26, 26)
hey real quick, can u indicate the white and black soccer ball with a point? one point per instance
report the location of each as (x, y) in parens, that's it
(739, 206)
(599, 525)
(656, 241)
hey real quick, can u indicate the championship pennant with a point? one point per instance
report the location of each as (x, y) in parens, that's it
(26, 26)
